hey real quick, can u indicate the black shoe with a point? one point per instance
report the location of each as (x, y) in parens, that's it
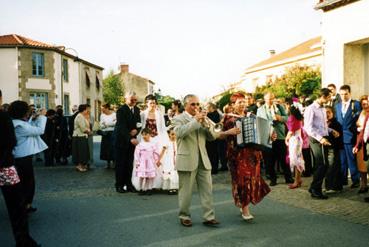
(120, 190)
(142, 193)
(31, 210)
(172, 192)
(317, 194)
(290, 181)
(273, 183)
(366, 199)
(355, 185)
(212, 223)
(131, 189)
(363, 190)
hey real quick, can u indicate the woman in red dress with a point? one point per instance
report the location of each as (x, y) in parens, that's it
(244, 164)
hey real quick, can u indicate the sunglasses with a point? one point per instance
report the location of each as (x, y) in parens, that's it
(195, 104)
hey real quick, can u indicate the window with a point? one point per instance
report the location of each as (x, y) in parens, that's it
(88, 82)
(88, 101)
(38, 64)
(66, 104)
(40, 100)
(97, 83)
(65, 69)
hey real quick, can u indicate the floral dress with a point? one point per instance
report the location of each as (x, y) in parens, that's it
(151, 124)
(295, 144)
(244, 165)
(145, 157)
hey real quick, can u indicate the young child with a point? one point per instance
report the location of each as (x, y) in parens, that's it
(294, 142)
(333, 178)
(146, 158)
(169, 173)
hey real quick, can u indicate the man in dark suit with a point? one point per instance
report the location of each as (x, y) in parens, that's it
(126, 130)
(250, 103)
(335, 97)
(347, 113)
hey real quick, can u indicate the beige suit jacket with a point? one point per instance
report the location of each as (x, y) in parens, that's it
(191, 138)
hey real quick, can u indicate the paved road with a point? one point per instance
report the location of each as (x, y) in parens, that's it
(84, 210)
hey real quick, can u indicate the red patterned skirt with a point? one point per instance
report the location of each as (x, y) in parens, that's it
(247, 183)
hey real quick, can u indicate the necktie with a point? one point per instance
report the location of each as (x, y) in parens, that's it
(344, 110)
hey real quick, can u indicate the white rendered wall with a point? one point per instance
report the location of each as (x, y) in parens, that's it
(9, 74)
(249, 84)
(340, 26)
(72, 87)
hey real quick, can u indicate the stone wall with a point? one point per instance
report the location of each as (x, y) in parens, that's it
(354, 69)
(25, 73)
(138, 84)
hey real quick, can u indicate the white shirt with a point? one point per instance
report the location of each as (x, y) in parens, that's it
(366, 132)
(28, 137)
(345, 106)
(107, 122)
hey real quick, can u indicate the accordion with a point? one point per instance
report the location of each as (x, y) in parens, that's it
(254, 130)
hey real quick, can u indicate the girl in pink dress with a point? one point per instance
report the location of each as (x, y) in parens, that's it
(294, 142)
(146, 158)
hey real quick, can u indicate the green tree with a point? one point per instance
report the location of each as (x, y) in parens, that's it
(165, 100)
(113, 91)
(297, 80)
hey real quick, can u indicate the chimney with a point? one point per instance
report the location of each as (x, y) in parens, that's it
(272, 53)
(124, 68)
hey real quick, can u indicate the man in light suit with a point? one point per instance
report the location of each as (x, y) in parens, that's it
(347, 113)
(192, 161)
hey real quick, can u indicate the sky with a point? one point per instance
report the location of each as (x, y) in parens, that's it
(184, 46)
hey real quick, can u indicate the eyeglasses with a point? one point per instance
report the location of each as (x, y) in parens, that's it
(195, 104)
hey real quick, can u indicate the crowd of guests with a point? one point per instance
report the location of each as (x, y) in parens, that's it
(326, 137)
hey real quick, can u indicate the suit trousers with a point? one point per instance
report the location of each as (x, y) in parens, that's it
(187, 180)
(27, 178)
(276, 154)
(124, 166)
(15, 204)
(348, 161)
(320, 157)
(212, 150)
(333, 178)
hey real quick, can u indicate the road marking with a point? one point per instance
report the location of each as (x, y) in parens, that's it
(171, 211)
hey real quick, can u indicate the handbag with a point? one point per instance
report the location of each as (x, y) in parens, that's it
(8, 176)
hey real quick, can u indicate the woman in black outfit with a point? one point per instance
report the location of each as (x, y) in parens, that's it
(333, 178)
(13, 197)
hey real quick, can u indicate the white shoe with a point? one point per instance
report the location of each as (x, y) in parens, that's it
(247, 217)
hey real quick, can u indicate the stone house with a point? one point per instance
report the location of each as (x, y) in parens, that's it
(132, 82)
(308, 53)
(345, 39)
(47, 75)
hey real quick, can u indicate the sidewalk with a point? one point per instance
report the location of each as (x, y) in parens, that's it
(347, 205)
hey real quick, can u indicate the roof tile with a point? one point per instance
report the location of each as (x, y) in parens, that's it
(17, 40)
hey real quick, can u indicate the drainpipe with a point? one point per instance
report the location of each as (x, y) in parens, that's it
(61, 81)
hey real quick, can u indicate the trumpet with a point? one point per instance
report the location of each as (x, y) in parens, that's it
(208, 123)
